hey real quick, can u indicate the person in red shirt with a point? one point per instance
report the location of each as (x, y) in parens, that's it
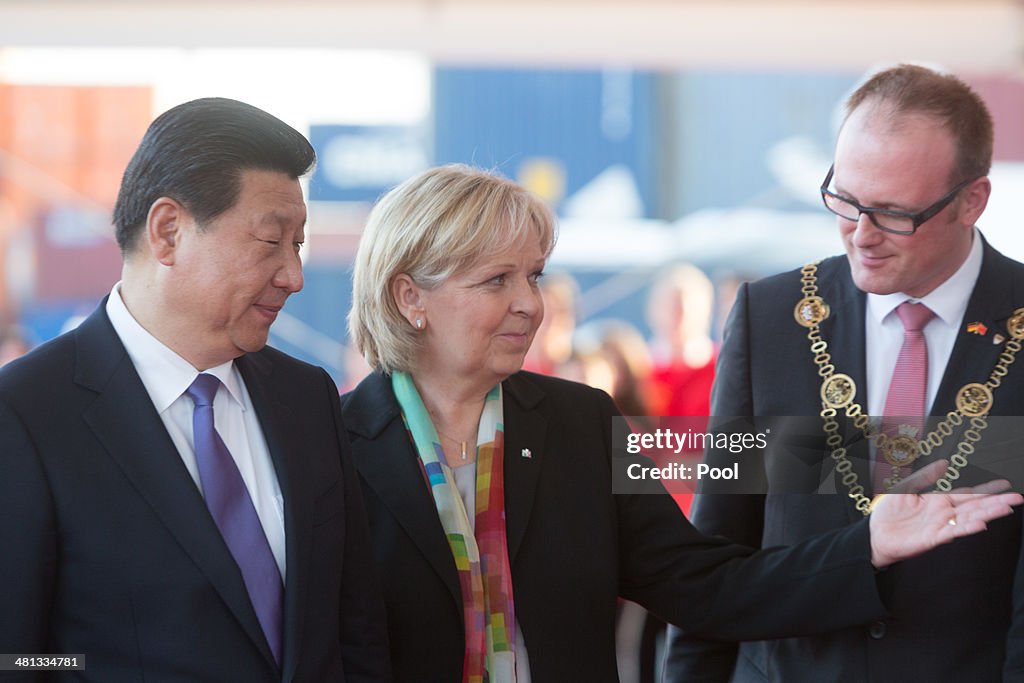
(679, 311)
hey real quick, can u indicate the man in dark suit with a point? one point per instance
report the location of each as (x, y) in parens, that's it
(908, 184)
(176, 500)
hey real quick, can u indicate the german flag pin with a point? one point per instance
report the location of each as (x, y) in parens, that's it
(978, 329)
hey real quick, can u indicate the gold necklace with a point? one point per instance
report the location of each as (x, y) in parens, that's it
(463, 454)
(838, 390)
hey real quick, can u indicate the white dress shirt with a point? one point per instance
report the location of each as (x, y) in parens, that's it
(166, 376)
(883, 331)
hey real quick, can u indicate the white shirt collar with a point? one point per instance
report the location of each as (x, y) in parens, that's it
(164, 373)
(948, 301)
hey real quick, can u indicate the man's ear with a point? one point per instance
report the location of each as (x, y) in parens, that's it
(973, 200)
(408, 296)
(164, 225)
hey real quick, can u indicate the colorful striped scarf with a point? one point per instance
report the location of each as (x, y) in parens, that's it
(481, 558)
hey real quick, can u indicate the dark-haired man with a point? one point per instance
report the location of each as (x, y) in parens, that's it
(176, 500)
(922, 317)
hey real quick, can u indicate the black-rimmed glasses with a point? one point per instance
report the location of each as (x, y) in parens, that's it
(888, 220)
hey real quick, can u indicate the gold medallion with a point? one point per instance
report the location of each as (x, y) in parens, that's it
(810, 311)
(974, 400)
(1015, 325)
(900, 450)
(838, 391)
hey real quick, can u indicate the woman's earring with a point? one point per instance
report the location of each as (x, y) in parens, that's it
(419, 323)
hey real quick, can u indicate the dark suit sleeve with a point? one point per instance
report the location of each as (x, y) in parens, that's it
(28, 544)
(723, 590)
(716, 588)
(1013, 669)
(363, 629)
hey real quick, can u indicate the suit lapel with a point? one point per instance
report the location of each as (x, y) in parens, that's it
(974, 355)
(280, 430)
(125, 422)
(386, 461)
(385, 458)
(844, 331)
(525, 430)
(844, 328)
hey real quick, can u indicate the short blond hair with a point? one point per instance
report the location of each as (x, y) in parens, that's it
(430, 227)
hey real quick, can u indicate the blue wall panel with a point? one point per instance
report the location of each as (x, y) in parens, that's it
(725, 123)
(584, 120)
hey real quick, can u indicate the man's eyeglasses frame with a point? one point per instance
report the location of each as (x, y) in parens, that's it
(916, 218)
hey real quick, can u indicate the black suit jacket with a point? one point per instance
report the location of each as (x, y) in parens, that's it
(574, 546)
(957, 613)
(108, 549)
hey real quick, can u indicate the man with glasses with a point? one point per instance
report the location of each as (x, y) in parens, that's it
(922, 317)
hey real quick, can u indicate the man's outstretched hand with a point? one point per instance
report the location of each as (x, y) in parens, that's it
(907, 522)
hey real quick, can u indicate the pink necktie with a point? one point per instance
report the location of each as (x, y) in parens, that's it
(905, 403)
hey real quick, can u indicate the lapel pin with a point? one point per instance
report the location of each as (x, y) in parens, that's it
(998, 339)
(977, 328)
(526, 453)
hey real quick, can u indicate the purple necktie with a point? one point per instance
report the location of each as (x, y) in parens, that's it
(904, 404)
(235, 515)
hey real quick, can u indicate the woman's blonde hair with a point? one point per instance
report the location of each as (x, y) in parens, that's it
(430, 227)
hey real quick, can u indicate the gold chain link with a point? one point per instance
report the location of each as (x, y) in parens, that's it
(955, 418)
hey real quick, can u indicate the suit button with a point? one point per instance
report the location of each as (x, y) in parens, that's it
(877, 630)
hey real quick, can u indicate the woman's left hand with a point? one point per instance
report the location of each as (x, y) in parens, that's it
(906, 523)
